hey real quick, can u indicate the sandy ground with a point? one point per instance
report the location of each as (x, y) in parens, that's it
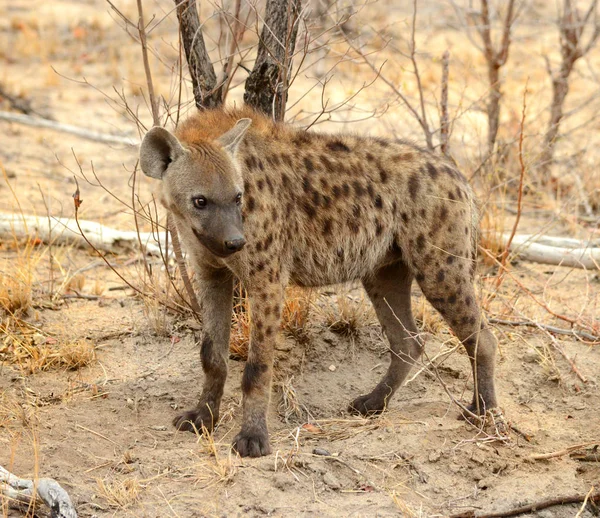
(104, 431)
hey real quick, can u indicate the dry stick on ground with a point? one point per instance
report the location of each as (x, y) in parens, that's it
(561, 453)
(26, 492)
(38, 122)
(582, 335)
(530, 508)
(571, 25)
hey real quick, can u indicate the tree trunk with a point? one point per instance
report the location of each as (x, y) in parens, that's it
(267, 85)
(204, 80)
(493, 107)
(560, 89)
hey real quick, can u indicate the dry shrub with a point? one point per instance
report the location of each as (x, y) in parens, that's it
(33, 352)
(289, 406)
(15, 293)
(119, 493)
(240, 332)
(349, 315)
(296, 312)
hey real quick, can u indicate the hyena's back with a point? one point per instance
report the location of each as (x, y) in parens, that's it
(334, 208)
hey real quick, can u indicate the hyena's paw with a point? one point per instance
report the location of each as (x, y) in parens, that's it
(194, 420)
(252, 443)
(369, 405)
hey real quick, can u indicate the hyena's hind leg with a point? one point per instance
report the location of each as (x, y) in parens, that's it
(452, 293)
(389, 290)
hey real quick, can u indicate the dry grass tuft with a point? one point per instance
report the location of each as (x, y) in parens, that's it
(240, 332)
(119, 493)
(289, 406)
(34, 352)
(349, 315)
(428, 319)
(213, 467)
(296, 312)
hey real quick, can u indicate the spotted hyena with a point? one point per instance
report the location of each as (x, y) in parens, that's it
(273, 205)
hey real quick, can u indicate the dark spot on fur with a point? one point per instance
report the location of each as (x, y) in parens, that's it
(338, 145)
(356, 211)
(378, 227)
(300, 139)
(468, 300)
(251, 162)
(252, 374)
(326, 201)
(450, 259)
(249, 206)
(443, 213)
(382, 142)
(247, 187)
(287, 159)
(326, 162)
(405, 217)
(440, 276)
(260, 266)
(285, 181)
(378, 202)
(270, 185)
(309, 209)
(327, 226)
(346, 189)
(370, 157)
(308, 164)
(472, 320)
(452, 299)
(324, 183)
(370, 190)
(353, 225)
(268, 241)
(451, 196)
(358, 188)
(269, 331)
(383, 175)
(413, 185)
(459, 193)
(420, 277)
(420, 242)
(306, 184)
(433, 172)
(260, 184)
(335, 191)
(423, 212)
(316, 198)
(261, 166)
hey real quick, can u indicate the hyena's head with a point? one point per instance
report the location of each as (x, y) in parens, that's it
(201, 184)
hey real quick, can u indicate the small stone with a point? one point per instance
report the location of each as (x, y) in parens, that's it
(531, 356)
(435, 455)
(130, 402)
(546, 513)
(332, 368)
(331, 482)
(478, 457)
(159, 428)
(455, 468)
(321, 451)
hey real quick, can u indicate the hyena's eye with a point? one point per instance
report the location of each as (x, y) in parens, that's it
(199, 202)
(238, 199)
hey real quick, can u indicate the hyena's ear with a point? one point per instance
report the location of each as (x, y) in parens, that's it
(232, 139)
(158, 149)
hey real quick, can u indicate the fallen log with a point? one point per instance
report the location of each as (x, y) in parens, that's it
(61, 231)
(20, 491)
(39, 122)
(555, 250)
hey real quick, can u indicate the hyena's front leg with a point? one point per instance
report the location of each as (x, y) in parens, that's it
(215, 289)
(265, 309)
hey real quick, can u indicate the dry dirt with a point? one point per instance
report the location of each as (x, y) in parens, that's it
(104, 431)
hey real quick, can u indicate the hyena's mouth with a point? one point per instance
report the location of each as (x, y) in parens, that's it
(214, 247)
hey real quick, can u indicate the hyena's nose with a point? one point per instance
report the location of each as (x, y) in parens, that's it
(235, 245)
